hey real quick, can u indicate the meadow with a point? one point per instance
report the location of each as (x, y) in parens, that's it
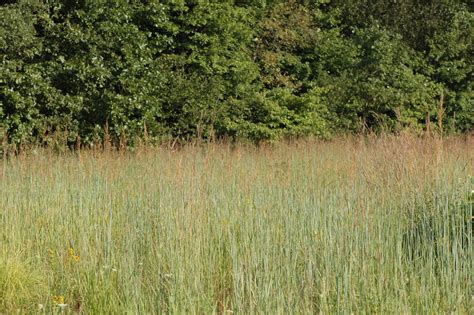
(355, 225)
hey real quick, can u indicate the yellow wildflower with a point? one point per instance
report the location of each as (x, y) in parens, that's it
(58, 299)
(72, 255)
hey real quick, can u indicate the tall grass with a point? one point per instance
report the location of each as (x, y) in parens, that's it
(366, 225)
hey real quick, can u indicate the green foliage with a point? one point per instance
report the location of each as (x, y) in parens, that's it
(278, 114)
(83, 71)
(451, 52)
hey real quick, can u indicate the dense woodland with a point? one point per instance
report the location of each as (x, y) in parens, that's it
(78, 72)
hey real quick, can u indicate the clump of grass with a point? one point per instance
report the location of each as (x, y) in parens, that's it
(22, 287)
(356, 225)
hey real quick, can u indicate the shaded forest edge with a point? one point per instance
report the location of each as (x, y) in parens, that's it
(77, 73)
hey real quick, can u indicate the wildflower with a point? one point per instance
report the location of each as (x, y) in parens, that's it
(40, 306)
(72, 255)
(58, 299)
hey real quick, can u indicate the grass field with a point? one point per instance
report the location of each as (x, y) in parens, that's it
(365, 225)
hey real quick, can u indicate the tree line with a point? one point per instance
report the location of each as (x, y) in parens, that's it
(82, 71)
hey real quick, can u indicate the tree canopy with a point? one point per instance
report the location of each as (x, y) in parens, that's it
(83, 70)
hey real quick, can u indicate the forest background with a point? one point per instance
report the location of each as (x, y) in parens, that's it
(78, 72)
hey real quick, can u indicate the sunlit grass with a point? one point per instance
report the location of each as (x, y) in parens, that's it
(351, 226)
